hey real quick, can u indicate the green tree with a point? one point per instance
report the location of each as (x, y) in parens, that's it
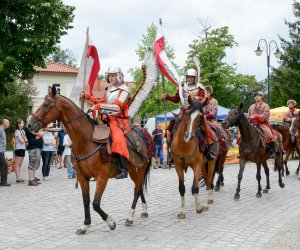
(230, 88)
(153, 105)
(18, 103)
(285, 80)
(29, 31)
(62, 56)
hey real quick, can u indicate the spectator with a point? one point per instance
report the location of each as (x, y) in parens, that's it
(61, 134)
(3, 164)
(47, 153)
(35, 145)
(21, 142)
(67, 153)
(54, 160)
(157, 135)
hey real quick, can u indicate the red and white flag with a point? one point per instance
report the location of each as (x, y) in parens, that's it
(164, 64)
(88, 71)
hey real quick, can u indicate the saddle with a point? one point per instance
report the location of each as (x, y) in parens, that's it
(221, 136)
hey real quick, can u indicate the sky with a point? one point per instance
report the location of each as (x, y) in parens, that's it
(116, 28)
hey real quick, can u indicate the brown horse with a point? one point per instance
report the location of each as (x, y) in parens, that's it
(86, 157)
(251, 149)
(296, 125)
(185, 152)
(287, 145)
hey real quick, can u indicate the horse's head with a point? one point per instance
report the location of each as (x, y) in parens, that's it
(48, 112)
(296, 122)
(234, 117)
(192, 118)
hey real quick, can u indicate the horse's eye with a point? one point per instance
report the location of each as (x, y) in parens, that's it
(45, 105)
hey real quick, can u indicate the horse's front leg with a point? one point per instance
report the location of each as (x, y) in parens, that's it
(180, 173)
(195, 188)
(209, 180)
(287, 155)
(258, 178)
(101, 182)
(85, 187)
(267, 172)
(240, 177)
(279, 162)
(144, 206)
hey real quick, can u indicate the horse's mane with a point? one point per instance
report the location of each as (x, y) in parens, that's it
(196, 105)
(92, 121)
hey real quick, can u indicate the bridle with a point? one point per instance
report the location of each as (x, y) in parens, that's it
(48, 104)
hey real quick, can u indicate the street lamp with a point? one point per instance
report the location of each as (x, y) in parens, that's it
(268, 46)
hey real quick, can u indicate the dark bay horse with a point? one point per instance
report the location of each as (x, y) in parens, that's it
(296, 124)
(88, 162)
(251, 149)
(185, 152)
(287, 144)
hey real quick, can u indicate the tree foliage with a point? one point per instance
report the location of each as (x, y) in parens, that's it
(230, 88)
(62, 56)
(285, 80)
(18, 103)
(29, 31)
(153, 105)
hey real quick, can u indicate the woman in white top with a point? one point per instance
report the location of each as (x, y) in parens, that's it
(21, 141)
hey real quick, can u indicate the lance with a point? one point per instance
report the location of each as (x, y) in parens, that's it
(84, 65)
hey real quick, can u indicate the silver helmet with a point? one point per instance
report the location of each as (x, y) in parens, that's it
(191, 72)
(115, 70)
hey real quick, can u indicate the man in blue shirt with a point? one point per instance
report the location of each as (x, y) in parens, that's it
(3, 165)
(60, 150)
(157, 135)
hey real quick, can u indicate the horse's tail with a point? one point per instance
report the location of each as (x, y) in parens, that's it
(146, 177)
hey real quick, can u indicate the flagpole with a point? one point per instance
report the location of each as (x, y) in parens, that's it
(84, 65)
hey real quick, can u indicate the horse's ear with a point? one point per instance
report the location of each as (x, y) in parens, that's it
(241, 106)
(190, 100)
(53, 91)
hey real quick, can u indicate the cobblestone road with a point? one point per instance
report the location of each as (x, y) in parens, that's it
(47, 216)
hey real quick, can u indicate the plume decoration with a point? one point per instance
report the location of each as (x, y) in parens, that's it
(150, 73)
(197, 65)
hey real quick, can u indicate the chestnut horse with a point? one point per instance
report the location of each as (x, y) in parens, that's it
(86, 157)
(185, 152)
(251, 149)
(287, 145)
(296, 125)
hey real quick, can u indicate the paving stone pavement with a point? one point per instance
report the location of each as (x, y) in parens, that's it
(47, 216)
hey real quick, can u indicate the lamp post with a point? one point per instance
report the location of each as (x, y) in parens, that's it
(268, 47)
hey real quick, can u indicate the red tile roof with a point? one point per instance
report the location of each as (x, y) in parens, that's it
(57, 68)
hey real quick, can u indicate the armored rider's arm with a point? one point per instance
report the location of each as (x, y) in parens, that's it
(118, 105)
(175, 98)
(93, 99)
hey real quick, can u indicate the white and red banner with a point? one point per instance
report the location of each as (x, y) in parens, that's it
(88, 71)
(164, 64)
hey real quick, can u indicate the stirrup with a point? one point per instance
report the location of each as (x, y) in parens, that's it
(210, 157)
(122, 175)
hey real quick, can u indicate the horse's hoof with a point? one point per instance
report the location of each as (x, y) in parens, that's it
(265, 191)
(181, 216)
(287, 173)
(111, 223)
(258, 195)
(281, 185)
(80, 231)
(282, 174)
(217, 188)
(205, 208)
(222, 183)
(128, 223)
(236, 197)
(144, 215)
(268, 187)
(210, 201)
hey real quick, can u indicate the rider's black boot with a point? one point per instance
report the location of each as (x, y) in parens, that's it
(208, 154)
(272, 150)
(124, 168)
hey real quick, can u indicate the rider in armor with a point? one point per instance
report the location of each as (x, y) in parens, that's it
(259, 113)
(289, 115)
(197, 91)
(115, 104)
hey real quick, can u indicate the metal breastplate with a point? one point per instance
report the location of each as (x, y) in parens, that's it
(190, 90)
(112, 93)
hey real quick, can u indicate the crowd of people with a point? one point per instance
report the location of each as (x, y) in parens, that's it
(46, 148)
